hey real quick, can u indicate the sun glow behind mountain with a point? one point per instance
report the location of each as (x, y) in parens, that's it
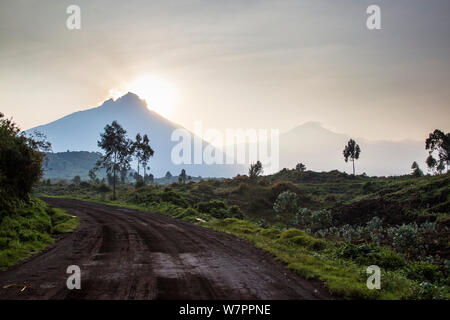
(160, 94)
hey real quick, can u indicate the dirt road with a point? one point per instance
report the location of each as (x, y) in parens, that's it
(129, 254)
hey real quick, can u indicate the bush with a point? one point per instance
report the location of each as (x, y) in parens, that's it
(286, 203)
(423, 271)
(405, 238)
(313, 219)
(173, 197)
(367, 255)
(103, 188)
(218, 209)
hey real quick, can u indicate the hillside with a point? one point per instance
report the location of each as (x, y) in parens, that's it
(66, 165)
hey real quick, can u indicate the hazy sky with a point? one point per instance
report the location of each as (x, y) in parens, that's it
(247, 63)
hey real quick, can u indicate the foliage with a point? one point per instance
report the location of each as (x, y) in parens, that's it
(29, 229)
(286, 203)
(117, 149)
(255, 170)
(300, 167)
(352, 151)
(21, 159)
(439, 142)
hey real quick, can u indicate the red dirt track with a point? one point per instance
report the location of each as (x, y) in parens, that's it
(129, 254)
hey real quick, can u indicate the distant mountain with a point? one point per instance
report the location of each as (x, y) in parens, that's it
(321, 150)
(310, 143)
(81, 130)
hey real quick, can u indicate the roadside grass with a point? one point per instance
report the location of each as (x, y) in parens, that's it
(340, 265)
(311, 258)
(318, 259)
(30, 229)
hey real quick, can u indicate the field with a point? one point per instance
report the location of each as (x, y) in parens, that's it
(328, 226)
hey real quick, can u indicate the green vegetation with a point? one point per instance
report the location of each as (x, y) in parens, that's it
(27, 225)
(67, 165)
(29, 229)
(327, 226)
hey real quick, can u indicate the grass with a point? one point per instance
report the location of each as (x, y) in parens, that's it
(30, 229)
(315, 258)
(351, 200)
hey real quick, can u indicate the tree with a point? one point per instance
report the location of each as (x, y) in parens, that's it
(182, 177)
(149, 178)
(168, 175)
(21, 159)
(92, 175)
(118, 149)
(255, 170)
(351, 151)
(137, 150)
(76, 180)
(143, 151)
(439, 142)
(300, 167)
(416, 170)
(287, 202)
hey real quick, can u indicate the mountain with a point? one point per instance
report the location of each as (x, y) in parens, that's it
(321, 150)
(81, 130)
(310, 143)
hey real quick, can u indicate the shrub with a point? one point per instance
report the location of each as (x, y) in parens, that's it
(215, 208)
(313, 219)
(405, 237)
(286, 203)
(173, 197)
(423, 271)
(367, 255)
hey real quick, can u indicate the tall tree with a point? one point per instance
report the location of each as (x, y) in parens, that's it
(416, 170)
(137, 150)
(352, 151)
(300, 167)
(182, 177)
(117, 149)
(92, 175)
(255, 170)
(143, 151)
(439, 142)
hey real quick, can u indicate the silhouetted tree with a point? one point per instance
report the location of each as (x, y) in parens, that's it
(300, 167)
(440, 142)
(182, 177)
(351, 151)
(149, 178)
(168, 175)
(143, 151)
(118, 149)
(255, 170)
(416, 170)
(76, 180)
(92, 175)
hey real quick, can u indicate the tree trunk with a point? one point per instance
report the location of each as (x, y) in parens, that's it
(353, 166)
(144, 175)
(114, 183)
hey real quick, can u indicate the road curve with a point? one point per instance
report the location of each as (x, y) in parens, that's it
(129, 254)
